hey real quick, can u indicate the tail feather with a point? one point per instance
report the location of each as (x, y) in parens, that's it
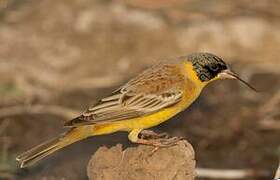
(39, 152)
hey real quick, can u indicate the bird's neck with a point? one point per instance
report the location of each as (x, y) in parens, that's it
(192, 75)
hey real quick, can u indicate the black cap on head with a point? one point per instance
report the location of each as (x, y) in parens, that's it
(206, 65)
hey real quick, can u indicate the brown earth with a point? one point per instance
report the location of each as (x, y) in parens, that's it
(139, 163)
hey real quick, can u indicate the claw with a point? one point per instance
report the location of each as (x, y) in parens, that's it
(154, 150)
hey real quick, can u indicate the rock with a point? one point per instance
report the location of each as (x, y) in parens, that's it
(138, 163)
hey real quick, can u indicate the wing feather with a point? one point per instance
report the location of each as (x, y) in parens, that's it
(149, 93)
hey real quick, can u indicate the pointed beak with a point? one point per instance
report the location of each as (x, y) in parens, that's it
(228, 74)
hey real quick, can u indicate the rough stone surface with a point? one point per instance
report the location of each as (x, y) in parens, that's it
(138, 163)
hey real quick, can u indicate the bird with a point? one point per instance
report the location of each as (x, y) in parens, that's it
(151, 98)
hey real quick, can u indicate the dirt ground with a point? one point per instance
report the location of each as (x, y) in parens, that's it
(59, 57)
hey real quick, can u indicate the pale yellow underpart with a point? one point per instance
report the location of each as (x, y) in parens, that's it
(135, 125)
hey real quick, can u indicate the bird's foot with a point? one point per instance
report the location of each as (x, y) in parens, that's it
(160, 142)
(149, 134)
(166, 142)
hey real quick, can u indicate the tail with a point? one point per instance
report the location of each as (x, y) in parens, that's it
(39, 152)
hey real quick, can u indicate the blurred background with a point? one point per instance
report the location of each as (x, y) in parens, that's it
(59, 57)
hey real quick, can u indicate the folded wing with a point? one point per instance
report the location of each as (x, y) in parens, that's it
(151, 91)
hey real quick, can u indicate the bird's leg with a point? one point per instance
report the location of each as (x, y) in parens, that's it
(149, 134)
(159, 142)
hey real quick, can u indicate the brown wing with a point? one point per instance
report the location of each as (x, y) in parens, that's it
(154, 89)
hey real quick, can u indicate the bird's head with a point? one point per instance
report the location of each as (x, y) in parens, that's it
(209, 67)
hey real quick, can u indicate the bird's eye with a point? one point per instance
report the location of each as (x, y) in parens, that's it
(214, 67)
